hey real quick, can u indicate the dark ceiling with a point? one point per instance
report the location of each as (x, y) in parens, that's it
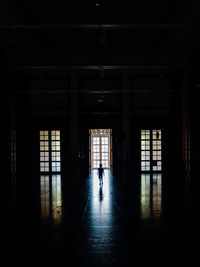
(137, 34)
(95, 11)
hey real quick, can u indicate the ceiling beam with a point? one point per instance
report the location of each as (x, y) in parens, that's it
(100, 68)
(104, 92)
(100, 26)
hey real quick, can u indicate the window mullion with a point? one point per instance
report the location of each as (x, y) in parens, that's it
(151, 151)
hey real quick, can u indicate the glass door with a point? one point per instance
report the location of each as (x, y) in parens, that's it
(96, 152)
(100, 148)
(104, 151)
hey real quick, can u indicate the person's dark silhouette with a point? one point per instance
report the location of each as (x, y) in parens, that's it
(100, 194)
(100, 174)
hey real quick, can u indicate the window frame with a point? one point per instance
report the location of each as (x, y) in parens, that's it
(54, 165)
(155, 150)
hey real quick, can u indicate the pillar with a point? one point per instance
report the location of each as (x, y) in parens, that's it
(74, 126)
(126, 138)
(186, 126)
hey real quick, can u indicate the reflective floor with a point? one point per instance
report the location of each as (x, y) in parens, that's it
(88, 224)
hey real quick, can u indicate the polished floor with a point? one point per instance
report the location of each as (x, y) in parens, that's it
(86, 224)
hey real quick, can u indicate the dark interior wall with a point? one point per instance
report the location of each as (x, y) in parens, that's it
(175, 129)
(42, 103)
(96, 93)
(151, 95)
(194, 132)
(36, 111)
(165, 10)
(190, 12)
(154, 103)
(6, 142)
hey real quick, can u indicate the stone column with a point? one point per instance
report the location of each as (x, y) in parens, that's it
(126, 138)
(74, 126)
(186, 126)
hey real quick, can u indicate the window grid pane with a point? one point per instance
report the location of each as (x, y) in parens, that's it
(104, 140)
(96, 163)
(44, 151)
(55, 151)
(50, 142)
(105, 163)
(96, 148)
(96, 140)
(96, 156)
(104, 148)
(157, 150)
(145, 150)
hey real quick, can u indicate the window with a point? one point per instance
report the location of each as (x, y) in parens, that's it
(50, 152)
(151, 150)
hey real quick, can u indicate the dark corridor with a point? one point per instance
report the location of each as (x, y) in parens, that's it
(72, 68)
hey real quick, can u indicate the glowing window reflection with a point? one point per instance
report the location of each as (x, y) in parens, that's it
(44, 196)
(56, 198)
(157, 194)
(51, 197)
(145, 195)
(151, 195)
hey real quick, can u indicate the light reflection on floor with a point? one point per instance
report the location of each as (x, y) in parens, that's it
(151, 195)
(157, 195)
(100, 214)
(145, 195)
(51, 197)
(56, 198)
(101, 198)
(44, 196)
(105, 226)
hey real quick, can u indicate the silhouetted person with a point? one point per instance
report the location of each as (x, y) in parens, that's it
(100, 173)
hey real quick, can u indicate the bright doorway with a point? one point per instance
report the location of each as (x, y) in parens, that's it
(100, 147)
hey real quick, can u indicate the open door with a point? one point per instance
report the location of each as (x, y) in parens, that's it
(100, 148)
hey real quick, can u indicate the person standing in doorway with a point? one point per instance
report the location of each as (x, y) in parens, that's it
(100, 174)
